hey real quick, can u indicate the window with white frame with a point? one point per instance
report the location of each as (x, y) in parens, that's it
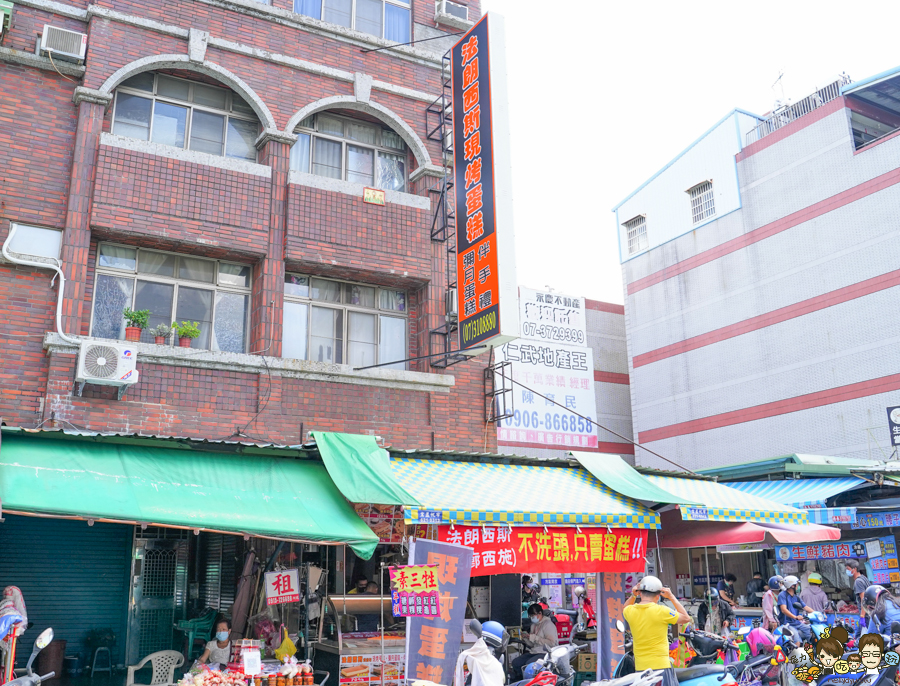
(352, 150)
(174, 288)
(36, 241)
(185, 114)
(388, 19)
(343, 323)
(702, 202)
(636, 230)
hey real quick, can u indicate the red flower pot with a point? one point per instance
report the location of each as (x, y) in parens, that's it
(133, 333)
(185, 342)
(160, 340)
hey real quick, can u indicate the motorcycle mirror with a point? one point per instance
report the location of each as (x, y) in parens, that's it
(475, 627)
(743, 631)
(40, 643)
(620, 625)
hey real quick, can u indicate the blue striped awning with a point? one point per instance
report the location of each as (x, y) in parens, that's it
(804, 493)
(831, 515)
(477, 492)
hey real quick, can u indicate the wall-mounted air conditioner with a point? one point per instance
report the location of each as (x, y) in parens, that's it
(451, 304)
(6, 11)
(452, 14)
(62, 44)
(107, 364)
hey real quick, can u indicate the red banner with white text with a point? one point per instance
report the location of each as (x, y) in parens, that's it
(531, 549)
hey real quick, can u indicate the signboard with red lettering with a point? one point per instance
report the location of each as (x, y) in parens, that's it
(283, 587)
(414, 591)
(531, 549)
(485, 268)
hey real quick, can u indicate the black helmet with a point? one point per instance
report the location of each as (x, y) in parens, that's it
(870, 597)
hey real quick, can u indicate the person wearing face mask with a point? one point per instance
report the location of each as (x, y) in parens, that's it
(540, 640)
(725, 587)
(859, 583)
(360, 584)
(531, 592)
(219, 650)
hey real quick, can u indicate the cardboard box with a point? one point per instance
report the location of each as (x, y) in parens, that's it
(586, 662)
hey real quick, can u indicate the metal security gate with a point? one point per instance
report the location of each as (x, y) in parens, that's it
(159, 577)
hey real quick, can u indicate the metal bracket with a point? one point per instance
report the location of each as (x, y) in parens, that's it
(499, 400)
(79, 387)
(121, 393)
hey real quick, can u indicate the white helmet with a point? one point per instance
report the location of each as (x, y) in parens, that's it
(578, 591)
(650, 584)
(790, 581)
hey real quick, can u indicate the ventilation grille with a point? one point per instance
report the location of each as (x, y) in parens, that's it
(67, 43)
(101, 361)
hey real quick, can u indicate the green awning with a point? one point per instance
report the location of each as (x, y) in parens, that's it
(263, 496)
(361, 470)
(621, 477)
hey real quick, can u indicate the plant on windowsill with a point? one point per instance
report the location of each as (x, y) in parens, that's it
(187, 332)
(136, 321)
(161, 333)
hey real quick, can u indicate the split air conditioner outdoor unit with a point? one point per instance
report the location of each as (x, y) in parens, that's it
(452, 14)
(62, 44)
(107, 364)
(451, 303)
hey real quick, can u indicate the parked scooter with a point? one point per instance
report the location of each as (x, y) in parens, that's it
(554, 669)
(587, 618)
(32, 679)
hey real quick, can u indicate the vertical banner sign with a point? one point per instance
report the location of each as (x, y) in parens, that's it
(612, 597)
(414, 591)
(485, 267)
(432, 643)
(894, 425)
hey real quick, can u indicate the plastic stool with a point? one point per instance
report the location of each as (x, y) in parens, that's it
(101, 667)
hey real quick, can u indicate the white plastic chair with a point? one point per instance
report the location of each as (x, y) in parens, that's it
(164, 663)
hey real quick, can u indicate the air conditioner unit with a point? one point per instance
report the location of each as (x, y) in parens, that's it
(107, 364)
(6, 11)
(452, 14)
(451, 304)
(62, 44)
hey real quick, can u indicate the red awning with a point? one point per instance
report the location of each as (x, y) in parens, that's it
(678, 533)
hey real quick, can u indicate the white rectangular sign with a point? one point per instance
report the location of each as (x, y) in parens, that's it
(283, 587)
(552, 317)
(561, 373)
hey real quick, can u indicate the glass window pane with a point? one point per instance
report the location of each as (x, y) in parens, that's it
(326, 342)
(195, 305)
(396, 23)
(132, 116)
(392, 300)
(196, 270)
(361, 296)
(156, 297)
(156, 263)
(327, 158)
(330, 125)
(234, 274)
(368, 16)
(360, 162)
(361, 339)
(141, 82)
(207, 131)
(295, 330)
(300, 153)
(389, 139)
(34, 240)
(392, 341)
(296, 285)
(241, 138)
(311, 8)
(173, 88)
(238, 104)
(329, 291)
(169, 122)
(210, 96)
(309, 122)
(116, 257)
(112, 296)
(391, 172)
(364, 133)
(338, 12)
(230, 330)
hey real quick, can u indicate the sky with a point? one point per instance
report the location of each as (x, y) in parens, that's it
(604, 94)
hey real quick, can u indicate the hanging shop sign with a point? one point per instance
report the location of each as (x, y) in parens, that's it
(526, 549)
(283, 587)
(894, 424)
(485, 263)
(386, 521)
(876, 520)
(432, 643)
(711, 580)
(552, 317)
(561, 373)
(881, 554)
(414, 591)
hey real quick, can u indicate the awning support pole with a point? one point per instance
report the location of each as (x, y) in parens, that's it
(708, 585)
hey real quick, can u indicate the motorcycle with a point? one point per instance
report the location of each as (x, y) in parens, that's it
(554, 669)
(32, 679)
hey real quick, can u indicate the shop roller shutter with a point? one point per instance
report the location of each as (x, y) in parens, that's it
(74, 577)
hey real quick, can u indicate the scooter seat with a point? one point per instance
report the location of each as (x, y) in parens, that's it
(570, 613)
(689, 673)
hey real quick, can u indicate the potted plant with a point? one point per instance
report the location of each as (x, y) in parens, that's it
(187, 332)
(136, 321)
(161, 333)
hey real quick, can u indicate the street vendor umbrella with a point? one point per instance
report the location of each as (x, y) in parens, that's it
(679, 533)
(245, 590)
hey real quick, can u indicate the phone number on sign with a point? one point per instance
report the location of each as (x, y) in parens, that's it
(551, 421)
(552, 333)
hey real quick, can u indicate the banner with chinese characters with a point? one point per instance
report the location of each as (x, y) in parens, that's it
(881, 554)
(611, 601)
(385, 520)
(433, 643)
(526, 549)
(876, 520)
(283, 587)
(562, 374)
(552, 317)
(414, 591)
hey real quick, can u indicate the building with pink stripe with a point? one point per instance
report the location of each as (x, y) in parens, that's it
(761, 270)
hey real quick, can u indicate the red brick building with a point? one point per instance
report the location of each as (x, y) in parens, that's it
(206, 161)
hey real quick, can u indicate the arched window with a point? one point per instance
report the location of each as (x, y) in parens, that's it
(341, 147)
(186, 114)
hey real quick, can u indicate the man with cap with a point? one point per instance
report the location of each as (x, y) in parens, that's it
(859, 583)
(790, 606)
(770, 602)
(813, 595)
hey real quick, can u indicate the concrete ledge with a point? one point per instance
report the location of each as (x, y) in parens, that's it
(149, 353)
(429, 170)
(325, 183)
(448, 19)
(29, 59)
(240, 166)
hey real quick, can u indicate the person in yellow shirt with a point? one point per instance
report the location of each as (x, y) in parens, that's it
(649, 622)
